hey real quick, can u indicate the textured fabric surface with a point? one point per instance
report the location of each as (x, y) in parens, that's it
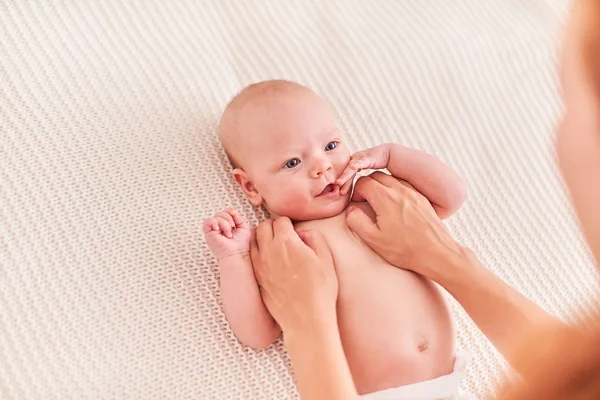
(109, 162)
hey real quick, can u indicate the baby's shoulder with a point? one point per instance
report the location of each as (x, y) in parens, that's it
(315, 224)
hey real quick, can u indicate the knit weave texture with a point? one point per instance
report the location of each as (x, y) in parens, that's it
(109, 163)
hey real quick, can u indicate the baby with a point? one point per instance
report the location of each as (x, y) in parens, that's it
(290, 156)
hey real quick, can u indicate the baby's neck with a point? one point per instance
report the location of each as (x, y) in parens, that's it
(274, 216)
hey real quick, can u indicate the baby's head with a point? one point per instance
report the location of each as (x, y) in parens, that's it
(286, 150)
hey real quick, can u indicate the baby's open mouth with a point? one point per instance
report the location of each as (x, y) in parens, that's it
(331, 188)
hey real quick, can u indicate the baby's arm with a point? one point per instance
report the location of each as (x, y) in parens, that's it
(247, 315)
(228, 236)
(430, 176)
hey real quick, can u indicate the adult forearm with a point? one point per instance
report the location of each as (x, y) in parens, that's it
(319, 362)
(503, 314)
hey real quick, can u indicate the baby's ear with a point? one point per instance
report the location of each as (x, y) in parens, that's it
(242, 178)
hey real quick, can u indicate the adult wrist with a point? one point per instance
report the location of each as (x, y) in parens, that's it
(317, 323)
(451, 261)
(319, 361)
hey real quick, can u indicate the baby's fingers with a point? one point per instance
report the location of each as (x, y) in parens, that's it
(209, 225)
(226, 216)
(225, 226)
(346, 186)
(348, 172)
(351, 170)
(238, 220)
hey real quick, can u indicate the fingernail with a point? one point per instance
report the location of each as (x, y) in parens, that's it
(350, 209)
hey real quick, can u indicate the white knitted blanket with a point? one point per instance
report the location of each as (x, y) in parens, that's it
(109, 162)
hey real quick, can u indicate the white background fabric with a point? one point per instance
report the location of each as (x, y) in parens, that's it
(109, 162)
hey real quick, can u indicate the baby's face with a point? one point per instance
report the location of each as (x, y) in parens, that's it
(295, 154)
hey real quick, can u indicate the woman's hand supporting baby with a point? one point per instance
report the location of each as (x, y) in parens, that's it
(298, 269)
(444, 188)
(299, 286)
(408, 234)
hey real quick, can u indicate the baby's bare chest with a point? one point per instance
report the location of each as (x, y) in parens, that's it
(386, 315)
(350, 253)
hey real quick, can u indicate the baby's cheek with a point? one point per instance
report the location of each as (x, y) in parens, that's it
(293, 200)
(290, 201)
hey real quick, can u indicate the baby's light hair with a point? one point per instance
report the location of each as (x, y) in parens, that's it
(228, 126)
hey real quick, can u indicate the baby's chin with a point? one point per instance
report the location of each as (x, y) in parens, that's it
(321, 212)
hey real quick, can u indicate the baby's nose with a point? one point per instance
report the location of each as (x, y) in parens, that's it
(322, 168)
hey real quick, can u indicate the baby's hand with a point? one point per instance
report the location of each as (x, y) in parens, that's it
(374, 158)
(227, 234)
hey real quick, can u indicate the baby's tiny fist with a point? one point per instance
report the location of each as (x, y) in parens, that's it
(227, 233)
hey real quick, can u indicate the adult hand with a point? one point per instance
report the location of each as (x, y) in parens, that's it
(295, 273)
(407, 231)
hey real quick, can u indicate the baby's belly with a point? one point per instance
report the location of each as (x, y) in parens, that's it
(395, 326)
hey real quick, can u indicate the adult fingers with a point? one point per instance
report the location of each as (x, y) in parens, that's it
(385, 179)
(408, 185)
(371, 190)
(264, 232)
(360, 223)
(316, 241)
(346, 187)
(392, 182)
(409, 190)
(284, 226)
(387, 185)
(255, 256)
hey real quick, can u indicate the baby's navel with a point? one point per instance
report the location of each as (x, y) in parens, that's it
(423, 344)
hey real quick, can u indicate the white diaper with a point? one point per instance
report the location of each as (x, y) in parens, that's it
(445, 387)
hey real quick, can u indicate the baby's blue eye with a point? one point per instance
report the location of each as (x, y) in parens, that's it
(330, 146)
(292, 163)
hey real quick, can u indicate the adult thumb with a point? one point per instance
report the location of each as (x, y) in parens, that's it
(316, 241)
(360, 223)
